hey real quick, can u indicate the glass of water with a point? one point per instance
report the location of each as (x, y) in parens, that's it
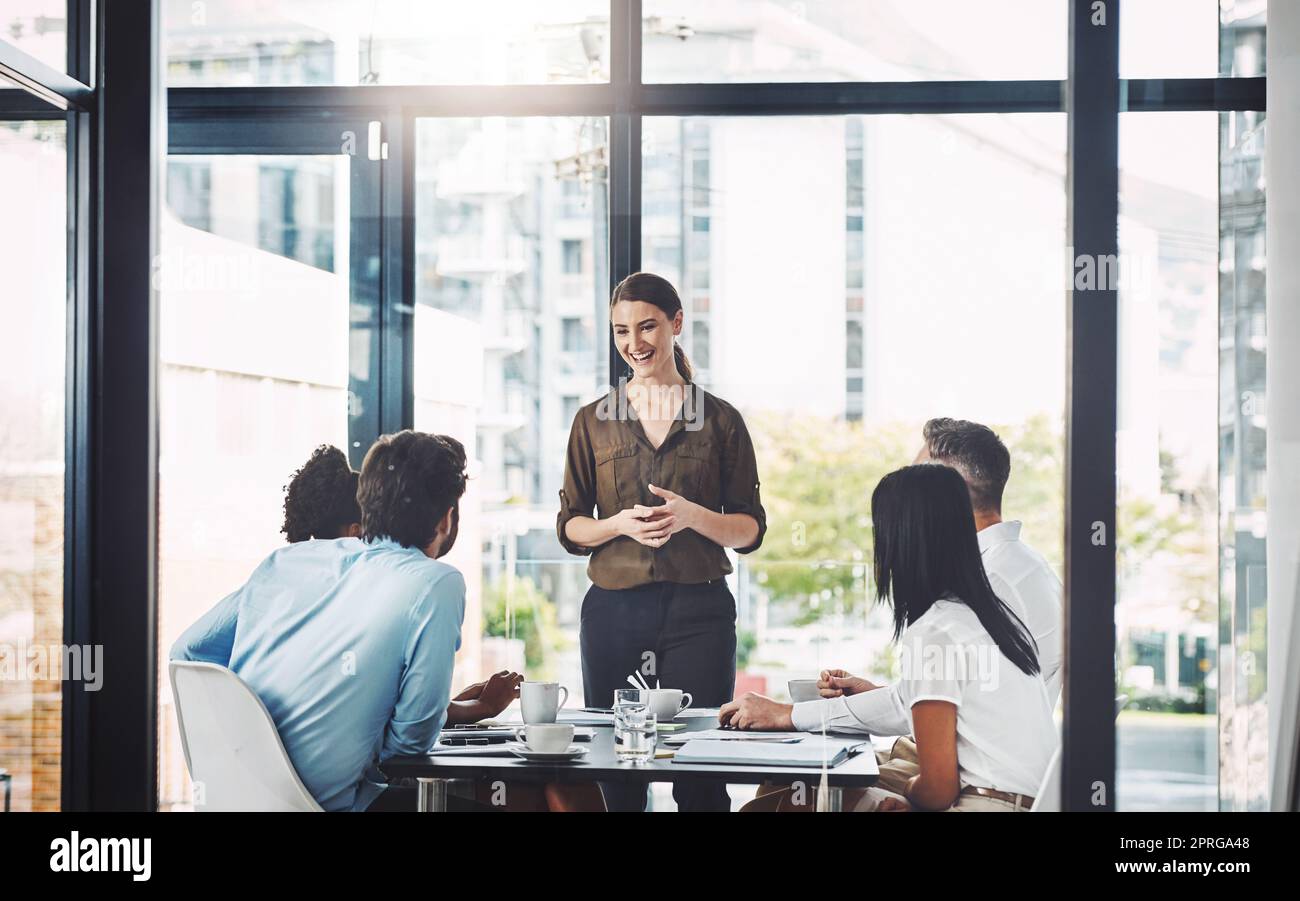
(634, 726)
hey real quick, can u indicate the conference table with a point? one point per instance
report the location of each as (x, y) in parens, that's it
(434, 773)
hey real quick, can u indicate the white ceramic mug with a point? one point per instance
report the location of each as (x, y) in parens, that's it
(540, 702)
(803, 690)
(668, 702)
(546, 737)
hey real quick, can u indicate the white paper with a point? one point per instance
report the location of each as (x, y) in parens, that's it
(497, 750)
(811, 753)
(742, 735)
(696, 712)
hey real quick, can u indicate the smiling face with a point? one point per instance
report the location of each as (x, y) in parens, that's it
(644, 337)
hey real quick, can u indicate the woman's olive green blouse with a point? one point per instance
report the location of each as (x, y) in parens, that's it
(707, 457)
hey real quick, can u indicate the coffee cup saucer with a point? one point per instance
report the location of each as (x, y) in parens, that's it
(572, 752)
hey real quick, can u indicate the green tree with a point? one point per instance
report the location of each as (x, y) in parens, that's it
(818, 474)
(514, 607)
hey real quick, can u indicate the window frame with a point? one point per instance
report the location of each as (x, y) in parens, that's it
(110, 522)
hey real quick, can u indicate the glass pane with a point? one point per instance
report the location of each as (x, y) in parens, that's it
(1243, 501)
(33, 246)
(1166, 618)
(254, 353)
(347, 42)
(511, 335)
(1182, 38)
(935, 244)
(1242, 30)
(39, 28)
(852, 40)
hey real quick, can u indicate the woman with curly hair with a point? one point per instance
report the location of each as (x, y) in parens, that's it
(320, 500)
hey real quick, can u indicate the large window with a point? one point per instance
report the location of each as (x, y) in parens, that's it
(863, 274)
(33, 179)
(1243, 501)
(866, 40)
(342, 42)
(254, 374)
(1166, 619)
(335, 267)
(1214, 37)
(509, 312)
(39, 28)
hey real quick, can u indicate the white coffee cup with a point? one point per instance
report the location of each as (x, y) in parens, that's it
(803, 690)
(540, 702)
(668, 702)
(546, 737)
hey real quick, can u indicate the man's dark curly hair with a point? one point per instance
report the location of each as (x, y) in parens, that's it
(321, 499)
(977, 453)
(409, 480)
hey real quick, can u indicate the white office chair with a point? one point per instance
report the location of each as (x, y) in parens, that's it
(235, 757)
(1048, 799)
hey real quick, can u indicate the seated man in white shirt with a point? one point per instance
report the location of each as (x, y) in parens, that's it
(1018, 574)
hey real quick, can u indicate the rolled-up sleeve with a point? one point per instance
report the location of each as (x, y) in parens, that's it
(740, 480)
(578, 496)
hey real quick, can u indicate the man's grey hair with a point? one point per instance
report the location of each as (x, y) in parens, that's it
(977, 453)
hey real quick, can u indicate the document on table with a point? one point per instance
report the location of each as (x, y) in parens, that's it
(500, 750)
(742, 735)
(812, 752)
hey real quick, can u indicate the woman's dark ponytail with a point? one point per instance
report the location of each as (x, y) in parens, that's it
(684, 367)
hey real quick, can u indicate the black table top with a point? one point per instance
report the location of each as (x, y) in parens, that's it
(600, 763)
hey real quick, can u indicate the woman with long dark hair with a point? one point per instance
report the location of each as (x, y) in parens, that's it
(660, 479)
(981, 721)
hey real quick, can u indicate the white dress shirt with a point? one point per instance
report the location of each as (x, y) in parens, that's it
(1025, 583)
(1005, 733)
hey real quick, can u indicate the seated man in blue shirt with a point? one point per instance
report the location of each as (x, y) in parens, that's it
(320, 502)
(350, 642)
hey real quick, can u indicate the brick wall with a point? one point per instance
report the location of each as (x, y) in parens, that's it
(31, 611)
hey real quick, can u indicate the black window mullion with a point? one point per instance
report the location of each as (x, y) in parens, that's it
(81, 191)
(1088, 727)
(397, 375)
(114, 729)
(366, 301)
(625, 153)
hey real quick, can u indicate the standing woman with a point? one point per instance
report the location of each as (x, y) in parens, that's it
(669, 471)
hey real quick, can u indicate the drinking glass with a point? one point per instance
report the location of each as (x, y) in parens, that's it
(634, 726)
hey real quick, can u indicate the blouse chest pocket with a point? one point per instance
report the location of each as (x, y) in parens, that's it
(698, 476)
(617, 477)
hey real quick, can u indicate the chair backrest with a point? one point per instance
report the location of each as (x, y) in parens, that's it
(1048, 798)
(235, 757)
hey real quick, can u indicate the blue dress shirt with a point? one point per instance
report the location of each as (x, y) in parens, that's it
(350, 646)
